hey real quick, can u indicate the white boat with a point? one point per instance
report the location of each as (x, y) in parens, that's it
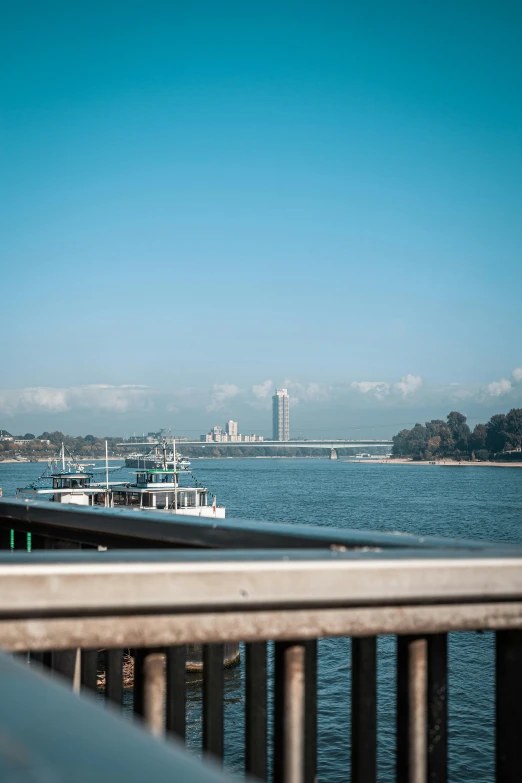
(158, 489)
(155, 489)
(155, 459)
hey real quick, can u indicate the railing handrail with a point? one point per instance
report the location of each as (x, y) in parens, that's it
(44, 587)
(147, 528)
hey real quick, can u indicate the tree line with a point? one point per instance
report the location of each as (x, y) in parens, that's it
(436, 439)
(88, 446)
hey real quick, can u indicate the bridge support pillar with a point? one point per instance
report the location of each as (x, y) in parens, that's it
(333, 454)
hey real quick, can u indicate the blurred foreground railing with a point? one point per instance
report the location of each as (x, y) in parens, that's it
(216, 583)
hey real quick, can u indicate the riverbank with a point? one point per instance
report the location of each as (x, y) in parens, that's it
(444, 462)
(55, 461)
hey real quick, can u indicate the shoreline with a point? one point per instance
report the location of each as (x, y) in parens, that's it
(45, 459)
(440, 463)
(383, 461)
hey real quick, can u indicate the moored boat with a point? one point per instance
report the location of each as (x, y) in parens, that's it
(157, 488)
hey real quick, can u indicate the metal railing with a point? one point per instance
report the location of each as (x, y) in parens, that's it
(216, 582)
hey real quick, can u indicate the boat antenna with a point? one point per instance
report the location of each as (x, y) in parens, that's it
(174, 466)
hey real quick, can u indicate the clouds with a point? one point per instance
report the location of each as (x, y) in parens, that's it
(408, 384)
(377, 389)
(263, 391)
(380, 390)
(204, 406)
(221, 394)
(498, 388)
(504, 385)
(94, 397)
(308, 392)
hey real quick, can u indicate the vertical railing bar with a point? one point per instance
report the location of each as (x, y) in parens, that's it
(68, 664)
(508, 706)
(278, 712)
(154, 692)
(5, 538)
(438, 708)
(402, 710)
(213, 699)
(294, 717)
(139, 681)
(289, 712)
(114, 676)
(256, 710)
(310, 729)
(89, 673)
(364, 710)
(176, 691)
(412, 702)
(42, 658)
(418, 740)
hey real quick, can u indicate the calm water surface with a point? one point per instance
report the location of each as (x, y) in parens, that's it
(471, 502)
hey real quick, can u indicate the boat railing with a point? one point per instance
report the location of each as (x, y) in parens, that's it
(161, 587)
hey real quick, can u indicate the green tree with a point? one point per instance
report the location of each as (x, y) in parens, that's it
(513, 428)
(496, 435)
(400, 446)
(459, 430)
(477, 440)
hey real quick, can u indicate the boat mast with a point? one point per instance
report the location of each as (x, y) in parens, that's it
(107, 464)
(174, 466)
(63, 457)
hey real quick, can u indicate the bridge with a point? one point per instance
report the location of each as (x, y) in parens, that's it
(285, 444)
(330, 445)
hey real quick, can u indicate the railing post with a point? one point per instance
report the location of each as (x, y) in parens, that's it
(5, 537)
(213, 693)
(508, 706)
(364, 710)
(255, 710)
(412, 723)
(289, 712)
(176, 691)
(114, 676)
(310, 727)
(438, 708)
(67, 663)
(153, 693)
(139, 681)
(89, 670)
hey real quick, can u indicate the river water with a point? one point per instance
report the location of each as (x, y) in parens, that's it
(471, 502)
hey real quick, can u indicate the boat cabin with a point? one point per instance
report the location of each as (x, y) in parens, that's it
(153, 478)
(159, 489)
(71, 480)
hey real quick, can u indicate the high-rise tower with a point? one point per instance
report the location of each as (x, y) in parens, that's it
(281, 415)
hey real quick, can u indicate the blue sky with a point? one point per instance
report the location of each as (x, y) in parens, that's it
(201, 198)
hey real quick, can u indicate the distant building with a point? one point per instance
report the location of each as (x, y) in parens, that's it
(281, 415)
(231, 435)
(231, 428)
